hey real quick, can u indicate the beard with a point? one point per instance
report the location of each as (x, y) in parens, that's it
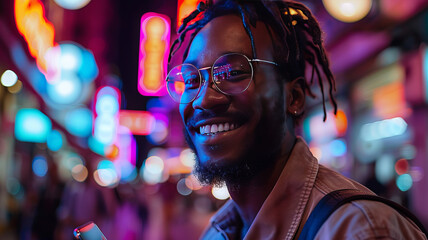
(261, 155)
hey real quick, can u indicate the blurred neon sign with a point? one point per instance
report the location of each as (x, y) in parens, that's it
(383, 129)
(138, 122)
(184, 8)
(154, 44)
(37, 31)
(106, 114)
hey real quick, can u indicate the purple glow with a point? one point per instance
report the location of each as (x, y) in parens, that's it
(358, 45)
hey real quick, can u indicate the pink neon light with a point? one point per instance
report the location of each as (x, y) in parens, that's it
(127, 146)
(150, 49)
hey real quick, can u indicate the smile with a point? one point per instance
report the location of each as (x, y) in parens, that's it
(212, 129)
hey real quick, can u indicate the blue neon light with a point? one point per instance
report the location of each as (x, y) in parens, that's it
(31, 125)
(54, 141)
(40, 166)
(79, 122)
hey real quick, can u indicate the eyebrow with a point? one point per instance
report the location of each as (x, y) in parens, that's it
(193, 62)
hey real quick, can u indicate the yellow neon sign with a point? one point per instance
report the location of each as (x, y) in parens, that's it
(154, 44)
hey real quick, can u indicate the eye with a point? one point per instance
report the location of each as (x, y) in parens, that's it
(236, 75)
(191, 81)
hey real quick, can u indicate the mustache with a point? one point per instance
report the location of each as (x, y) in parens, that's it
(204, 115)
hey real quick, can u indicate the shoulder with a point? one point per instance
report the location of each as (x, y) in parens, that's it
(365, 219)
(329, 180)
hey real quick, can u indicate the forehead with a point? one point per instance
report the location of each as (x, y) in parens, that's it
(227, 34)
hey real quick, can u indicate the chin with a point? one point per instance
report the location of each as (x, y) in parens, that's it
(214, 168)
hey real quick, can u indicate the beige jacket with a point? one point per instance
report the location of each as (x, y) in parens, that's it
(302, 183)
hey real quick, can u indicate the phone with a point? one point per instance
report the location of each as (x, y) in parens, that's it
(89, 231)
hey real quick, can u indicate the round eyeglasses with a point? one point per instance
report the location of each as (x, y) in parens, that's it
(231, 74)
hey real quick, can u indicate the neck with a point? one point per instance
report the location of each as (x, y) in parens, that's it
(250, 196)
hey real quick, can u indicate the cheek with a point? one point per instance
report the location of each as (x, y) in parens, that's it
(185, 111)
(269, 91)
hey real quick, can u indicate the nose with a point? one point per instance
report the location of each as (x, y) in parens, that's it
(209, 97)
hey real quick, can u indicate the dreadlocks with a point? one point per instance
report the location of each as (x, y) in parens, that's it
(302, 45)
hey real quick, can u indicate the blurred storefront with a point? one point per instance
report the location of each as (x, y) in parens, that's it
(380, 67)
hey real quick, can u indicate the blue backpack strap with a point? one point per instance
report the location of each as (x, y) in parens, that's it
(332, 201)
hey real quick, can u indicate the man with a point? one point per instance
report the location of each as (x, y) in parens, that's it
(241, 88)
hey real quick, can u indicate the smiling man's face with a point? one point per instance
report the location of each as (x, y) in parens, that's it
(252, 122)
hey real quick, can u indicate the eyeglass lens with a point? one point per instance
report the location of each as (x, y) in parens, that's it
(231, 73)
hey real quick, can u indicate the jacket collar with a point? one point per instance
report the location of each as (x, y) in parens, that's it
(281, 213)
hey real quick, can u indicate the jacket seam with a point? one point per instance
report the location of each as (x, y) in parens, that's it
(375, 230)
(302, 203)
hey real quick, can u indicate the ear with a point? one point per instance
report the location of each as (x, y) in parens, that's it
(295, 96)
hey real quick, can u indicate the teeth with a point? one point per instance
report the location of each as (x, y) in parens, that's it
(215, 128)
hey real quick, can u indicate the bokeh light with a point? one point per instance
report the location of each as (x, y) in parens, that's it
(417, 173)
(341, 122)
(348, 10)
(79, 122)
(65, 90)
(320, 131)
(67, 161)
(16, 88)
(31, 125)
(187, 157)
(192, 183)
(220, 193)
(96, 146)
(128, 172)
(111, 152)
(9, 78)
(384, 169)
(160, 131)
(40, 166)
(106, 174)
(154, 164)
(13, 186)
(182, 187)
(404, 182)
(72, 4)
(70, 59)
(402, 166)
(54, 140)
(152, 171)
(408, 151)
(79, 172)
(338, 147)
